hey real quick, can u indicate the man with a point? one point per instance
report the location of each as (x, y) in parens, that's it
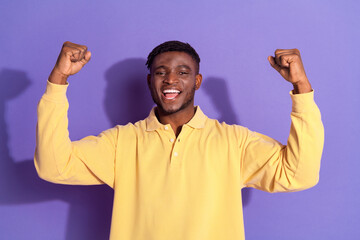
(178, 174)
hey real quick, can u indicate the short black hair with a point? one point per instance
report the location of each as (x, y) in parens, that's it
(173, 46)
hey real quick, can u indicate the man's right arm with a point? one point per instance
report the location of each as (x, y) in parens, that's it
(57, 159)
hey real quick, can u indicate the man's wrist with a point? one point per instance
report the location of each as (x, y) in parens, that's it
(57, 78)
(302, 87)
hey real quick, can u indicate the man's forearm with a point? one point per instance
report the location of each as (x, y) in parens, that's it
(57, 77)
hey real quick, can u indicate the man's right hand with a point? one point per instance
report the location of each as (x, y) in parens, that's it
(71, 60)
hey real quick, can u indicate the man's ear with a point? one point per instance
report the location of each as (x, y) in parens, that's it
(148, 80)
(198, 81)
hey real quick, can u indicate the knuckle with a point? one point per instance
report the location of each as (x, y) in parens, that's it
(66, 50)
(295, 56)
(66, 43)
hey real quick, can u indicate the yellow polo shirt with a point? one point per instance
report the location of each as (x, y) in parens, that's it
(184, 188)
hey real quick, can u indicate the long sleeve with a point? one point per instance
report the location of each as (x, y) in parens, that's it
(58, 159)
(270, 166)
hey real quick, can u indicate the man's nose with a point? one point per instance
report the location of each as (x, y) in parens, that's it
(171, 78)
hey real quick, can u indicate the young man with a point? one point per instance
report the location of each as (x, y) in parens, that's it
(178, 174)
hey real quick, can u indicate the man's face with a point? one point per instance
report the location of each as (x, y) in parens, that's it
(173, 80)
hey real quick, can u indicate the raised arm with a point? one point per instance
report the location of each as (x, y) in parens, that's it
(57, 158)
(270, 166)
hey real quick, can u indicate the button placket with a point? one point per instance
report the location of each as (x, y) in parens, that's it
(176, 156)
(174, 152)
(168, 135)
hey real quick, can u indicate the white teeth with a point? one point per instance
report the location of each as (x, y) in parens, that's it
(171, 91)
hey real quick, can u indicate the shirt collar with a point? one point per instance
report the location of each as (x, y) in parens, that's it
(198, 120)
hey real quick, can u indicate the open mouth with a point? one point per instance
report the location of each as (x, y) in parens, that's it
(171, 93)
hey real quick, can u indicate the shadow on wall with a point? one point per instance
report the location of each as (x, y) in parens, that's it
(127, 99)
(217, 91)
(89, 207)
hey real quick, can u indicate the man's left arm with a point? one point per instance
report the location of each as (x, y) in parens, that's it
(270, 166)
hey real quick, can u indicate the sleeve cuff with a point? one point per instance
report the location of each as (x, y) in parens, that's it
(303, 102)
(56, 92)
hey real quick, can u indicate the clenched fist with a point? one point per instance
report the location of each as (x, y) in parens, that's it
(71, 60)
(288, 63)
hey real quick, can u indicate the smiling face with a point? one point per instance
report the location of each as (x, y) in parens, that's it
(172, 81)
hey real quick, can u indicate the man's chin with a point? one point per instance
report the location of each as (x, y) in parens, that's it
(167, 110)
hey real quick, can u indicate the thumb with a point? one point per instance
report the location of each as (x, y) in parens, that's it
(273, 63)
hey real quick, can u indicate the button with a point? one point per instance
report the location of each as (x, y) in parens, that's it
(176, 154)
(171, 140)
(166, 127)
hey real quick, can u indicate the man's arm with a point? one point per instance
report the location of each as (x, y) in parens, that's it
(57, 159)
(270, 166)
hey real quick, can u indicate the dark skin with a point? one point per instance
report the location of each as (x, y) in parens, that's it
(289, 64)
(71, 60)
(174, 71)
(174, 78)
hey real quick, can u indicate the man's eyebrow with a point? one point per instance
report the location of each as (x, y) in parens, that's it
(179, 66)
(162, 66)
(184, 66)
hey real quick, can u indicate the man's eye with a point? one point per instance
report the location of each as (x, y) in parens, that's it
(160, 73)
(183, 73)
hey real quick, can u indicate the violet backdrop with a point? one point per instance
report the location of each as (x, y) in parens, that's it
(233, 39)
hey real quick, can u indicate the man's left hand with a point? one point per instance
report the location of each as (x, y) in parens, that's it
(288, 63)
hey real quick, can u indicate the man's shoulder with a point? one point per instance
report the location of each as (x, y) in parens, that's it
(130, 126)
(218, 125)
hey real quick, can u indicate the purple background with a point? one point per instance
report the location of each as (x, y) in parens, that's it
(233, 40)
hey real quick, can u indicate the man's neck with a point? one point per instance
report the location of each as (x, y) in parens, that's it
(176, 120)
